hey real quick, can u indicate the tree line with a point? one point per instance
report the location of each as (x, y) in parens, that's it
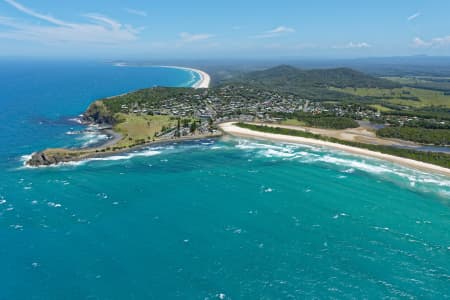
(417, 134)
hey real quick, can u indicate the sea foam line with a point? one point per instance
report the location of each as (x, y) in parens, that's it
(416, 179)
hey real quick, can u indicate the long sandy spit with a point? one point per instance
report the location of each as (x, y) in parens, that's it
(205, 79)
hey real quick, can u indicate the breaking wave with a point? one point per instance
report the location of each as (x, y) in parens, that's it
(349, 164)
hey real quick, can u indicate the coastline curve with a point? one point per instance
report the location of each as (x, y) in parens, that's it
(232, 129)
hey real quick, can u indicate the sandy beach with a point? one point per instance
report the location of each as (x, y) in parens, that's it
(232, 129)
(205, 79)
(203, 83)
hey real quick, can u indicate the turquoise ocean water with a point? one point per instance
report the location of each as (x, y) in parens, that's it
(212, 219)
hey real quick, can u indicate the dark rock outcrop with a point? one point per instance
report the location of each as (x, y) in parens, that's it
(98, 113)
(46, 159)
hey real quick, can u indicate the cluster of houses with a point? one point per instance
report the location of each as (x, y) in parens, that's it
(246, 103)
(223, 104)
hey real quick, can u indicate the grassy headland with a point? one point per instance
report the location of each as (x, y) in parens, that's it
(132, 130)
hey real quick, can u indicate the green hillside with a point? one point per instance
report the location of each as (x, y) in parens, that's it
(313, 84)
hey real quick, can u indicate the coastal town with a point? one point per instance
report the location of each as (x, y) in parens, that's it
(162, 114)
(240, 103)
(243, 103)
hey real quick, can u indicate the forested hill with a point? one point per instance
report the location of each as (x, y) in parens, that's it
(339, 78)
(312, 84)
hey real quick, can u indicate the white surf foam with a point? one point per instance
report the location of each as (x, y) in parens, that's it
(355, 164)
(76, 120)
(277, 153)
(90, 139)
(145, 153)
(414, 179)
(25, 158)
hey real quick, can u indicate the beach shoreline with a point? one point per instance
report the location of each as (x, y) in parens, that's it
(231, 129)
(203, 83)
(205, 78)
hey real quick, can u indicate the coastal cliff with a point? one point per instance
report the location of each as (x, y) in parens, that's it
(98, 113)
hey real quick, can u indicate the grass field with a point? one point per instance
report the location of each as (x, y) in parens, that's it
(426, 97)
(407, 80)
(417, 79)
(380, 107)
(135, 130)
(293, 122)
(141, 127)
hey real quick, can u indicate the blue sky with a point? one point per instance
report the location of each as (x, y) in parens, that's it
(219, 29)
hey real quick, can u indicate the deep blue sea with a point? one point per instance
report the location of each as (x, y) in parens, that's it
(212, 219)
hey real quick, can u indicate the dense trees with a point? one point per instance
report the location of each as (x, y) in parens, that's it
(144, 96)
(326, 121)
(415, 134)
(339, 78)
(322, 120)
(314, 84)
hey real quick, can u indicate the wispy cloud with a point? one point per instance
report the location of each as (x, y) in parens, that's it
(99, 29)
(277, 31)
(187, 37)
(281, 29)
(136, 12)
(32, 13)
(353, 45)
(438, 42)
(414, 16)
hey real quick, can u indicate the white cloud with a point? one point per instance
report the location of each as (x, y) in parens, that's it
(281, 29)
(441, 41)
(136, 12)
(418, 42)
(98, 30)
(187, 37)
(102, 20)
(277, 31)
(32, 13)
(438, 42)
(353, 45)
(414, 16)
